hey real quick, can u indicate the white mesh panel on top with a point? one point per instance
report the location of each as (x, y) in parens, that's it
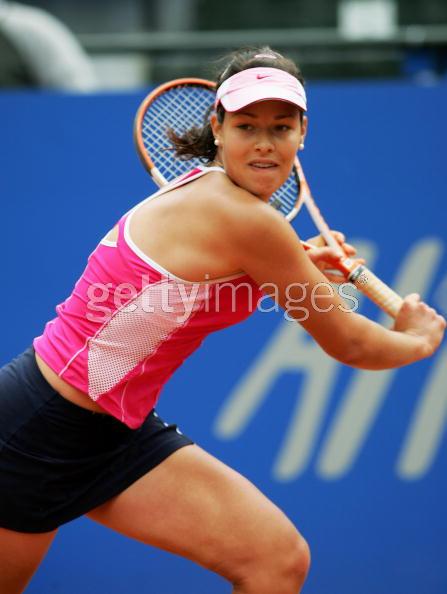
(136, 331)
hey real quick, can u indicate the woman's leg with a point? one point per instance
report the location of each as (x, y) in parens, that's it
(195, 506)
(20, 556)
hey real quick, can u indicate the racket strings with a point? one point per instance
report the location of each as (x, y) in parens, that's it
(177, 109)
(285, 199)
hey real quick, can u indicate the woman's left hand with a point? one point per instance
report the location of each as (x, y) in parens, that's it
(325, 257)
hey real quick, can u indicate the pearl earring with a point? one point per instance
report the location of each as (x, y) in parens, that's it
(301, 146)
(216, 141)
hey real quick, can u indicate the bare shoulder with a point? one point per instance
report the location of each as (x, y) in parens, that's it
(246, 217)
(246, 230)
(256, 231)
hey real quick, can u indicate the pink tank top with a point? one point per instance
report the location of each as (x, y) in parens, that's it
(129, 323)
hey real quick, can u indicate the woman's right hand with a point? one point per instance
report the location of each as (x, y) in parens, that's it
(416, 318)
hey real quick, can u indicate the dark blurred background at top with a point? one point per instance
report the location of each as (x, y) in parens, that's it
(122, 45)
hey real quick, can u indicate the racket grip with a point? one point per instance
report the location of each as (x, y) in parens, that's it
(382, 295)
(368, 283)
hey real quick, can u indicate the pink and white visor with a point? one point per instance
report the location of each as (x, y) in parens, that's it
(260, 84)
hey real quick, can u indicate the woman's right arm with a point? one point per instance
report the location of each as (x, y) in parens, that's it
(267, 248)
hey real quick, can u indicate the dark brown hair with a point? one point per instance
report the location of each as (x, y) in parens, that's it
(198, 142)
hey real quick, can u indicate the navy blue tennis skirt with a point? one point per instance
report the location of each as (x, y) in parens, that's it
(57, 460)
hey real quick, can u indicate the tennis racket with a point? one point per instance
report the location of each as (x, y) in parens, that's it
(182, 103)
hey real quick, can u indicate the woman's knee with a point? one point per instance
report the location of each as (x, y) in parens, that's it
(300, 559)
(290, 558)
(278, 562)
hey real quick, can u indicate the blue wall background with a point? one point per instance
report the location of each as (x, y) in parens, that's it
(356, 459)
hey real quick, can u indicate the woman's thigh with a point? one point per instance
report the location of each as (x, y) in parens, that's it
(20, 556)
(195, 506)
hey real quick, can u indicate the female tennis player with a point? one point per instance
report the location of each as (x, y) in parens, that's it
(79, 433)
